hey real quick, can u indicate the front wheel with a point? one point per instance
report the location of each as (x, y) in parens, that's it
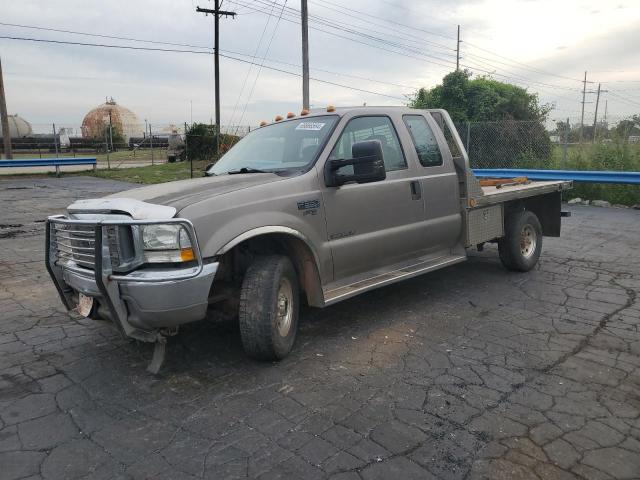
(269, 304)
(522, 243)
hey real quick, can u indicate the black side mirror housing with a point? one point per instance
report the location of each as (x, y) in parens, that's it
(367, 163)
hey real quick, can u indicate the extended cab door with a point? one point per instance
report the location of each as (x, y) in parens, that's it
(373, 224)
(438, 180)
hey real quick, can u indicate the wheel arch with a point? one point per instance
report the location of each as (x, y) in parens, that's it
(546, 207)
(286, 241)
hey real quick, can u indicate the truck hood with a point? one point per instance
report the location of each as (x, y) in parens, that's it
(180, 194)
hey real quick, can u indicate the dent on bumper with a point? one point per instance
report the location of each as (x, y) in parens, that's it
(152, 298)
(168, 303)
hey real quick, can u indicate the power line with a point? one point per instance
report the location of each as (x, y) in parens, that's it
(370, 37)
(246, 77)
(86, 44)
(624, 99)
(255, 81)
(402, 33)
(143, 40)
(391, 21)
(412, 50)
(114, 37)
(524, 65)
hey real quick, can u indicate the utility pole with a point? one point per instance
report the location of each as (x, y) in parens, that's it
(4, 117)
(217, 13)
(304, 12)
(566, 144)
(458, 50)
(584, 92)
(595, 118)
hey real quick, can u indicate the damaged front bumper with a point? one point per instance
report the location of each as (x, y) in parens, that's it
(142, 302)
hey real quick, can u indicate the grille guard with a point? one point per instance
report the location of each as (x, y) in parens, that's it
(105, 279)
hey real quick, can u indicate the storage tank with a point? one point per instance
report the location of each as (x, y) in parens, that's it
(18, 127)
(124, 122)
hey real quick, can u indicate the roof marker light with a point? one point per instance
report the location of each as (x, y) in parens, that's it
(304, 112)
(291, 115)
(263, 123)
(278, 118)
(331, 108)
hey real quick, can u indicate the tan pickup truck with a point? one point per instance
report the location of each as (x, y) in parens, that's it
(316, 208)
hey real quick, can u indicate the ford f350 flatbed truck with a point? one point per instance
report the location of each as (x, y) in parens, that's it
(315, 208)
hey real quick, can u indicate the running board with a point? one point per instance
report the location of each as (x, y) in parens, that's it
(336, 294)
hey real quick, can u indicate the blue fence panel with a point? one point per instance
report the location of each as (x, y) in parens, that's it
(596, 176)
(48, 162)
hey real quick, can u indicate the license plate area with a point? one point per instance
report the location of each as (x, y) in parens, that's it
(85, 304)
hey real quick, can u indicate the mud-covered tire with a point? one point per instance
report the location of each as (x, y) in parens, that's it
(269, 299)
(522, 243)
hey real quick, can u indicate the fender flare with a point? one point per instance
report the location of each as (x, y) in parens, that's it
(266, 230)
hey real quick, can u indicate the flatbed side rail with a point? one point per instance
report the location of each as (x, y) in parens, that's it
(591, 176)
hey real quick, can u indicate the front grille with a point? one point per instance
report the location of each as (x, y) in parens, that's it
(75, 244)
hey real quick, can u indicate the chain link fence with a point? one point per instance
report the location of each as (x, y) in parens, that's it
(507, 144)
(157, 144)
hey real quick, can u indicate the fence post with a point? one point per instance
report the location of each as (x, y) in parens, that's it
(186, 150)
(55, 143)
(468, 138)
(106, 146)
(566, 146)
(151, 140)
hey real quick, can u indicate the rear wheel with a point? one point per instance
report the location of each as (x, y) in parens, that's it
(522, 243)
(269, 304)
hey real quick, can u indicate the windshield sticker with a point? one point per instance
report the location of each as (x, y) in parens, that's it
(310, 126)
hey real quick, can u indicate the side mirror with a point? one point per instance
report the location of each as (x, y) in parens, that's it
(367, 165)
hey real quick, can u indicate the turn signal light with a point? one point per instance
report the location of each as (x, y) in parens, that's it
(331, 108)
(186, 254)
(304, 112)
(291, 115)
(279, 118)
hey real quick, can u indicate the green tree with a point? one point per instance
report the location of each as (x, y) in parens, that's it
(628, 127)
(504, 122)
(480, 99)
(201, 142)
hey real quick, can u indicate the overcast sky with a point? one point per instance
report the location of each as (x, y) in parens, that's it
(544, 45)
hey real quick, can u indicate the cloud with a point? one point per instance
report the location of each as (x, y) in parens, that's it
(47, 83)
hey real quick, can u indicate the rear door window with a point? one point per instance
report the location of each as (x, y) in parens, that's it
(424, 140)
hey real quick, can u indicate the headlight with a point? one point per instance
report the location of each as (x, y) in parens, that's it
(166, 243)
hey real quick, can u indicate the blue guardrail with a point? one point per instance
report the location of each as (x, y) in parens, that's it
(48, 162)
(596, 176)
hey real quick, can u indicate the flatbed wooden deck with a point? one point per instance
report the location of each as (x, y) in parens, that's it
(493, 195)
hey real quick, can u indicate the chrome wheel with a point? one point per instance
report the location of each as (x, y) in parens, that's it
(528, 241)
(284, 307)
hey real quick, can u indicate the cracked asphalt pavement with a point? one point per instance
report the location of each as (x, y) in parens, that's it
(468, 372)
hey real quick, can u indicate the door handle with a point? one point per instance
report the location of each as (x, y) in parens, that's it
(416, 190)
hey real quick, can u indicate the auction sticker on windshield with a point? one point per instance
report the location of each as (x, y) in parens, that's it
(310, 126)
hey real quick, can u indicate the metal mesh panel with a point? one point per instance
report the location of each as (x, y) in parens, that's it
(507, 144)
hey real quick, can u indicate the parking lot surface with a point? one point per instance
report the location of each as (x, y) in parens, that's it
(468, 372)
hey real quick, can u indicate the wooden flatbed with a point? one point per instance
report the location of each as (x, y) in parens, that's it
(493, 195)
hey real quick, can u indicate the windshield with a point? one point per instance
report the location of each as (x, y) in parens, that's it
(290, 146)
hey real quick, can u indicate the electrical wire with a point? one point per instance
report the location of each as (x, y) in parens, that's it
(231, 57)
(142, 40)
(255, 81)
(246, 77)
